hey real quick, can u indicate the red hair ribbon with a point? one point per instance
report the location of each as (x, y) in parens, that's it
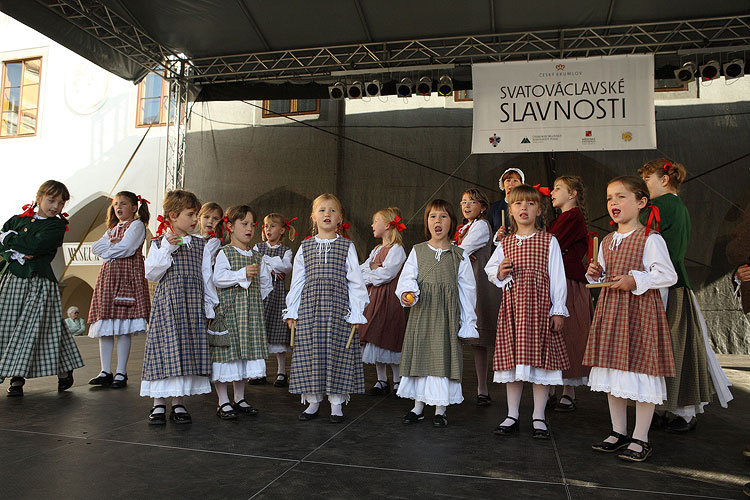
(288, 222)
(64, 217)
(396, 222)
(667, 166)
(211, 234)
(163, 226)
(612, 223)
(142, 200)
(346, 225)
(225, 226)
(653, 215)
(542, 189)
(28, 210)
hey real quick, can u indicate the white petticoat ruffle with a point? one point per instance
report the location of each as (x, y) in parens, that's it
(629, 385)
(526, 373)
(240, 369)
(434, 391)
(277, 348)
(175, 387)
(373, 354)
(110, 327)
(576, 382)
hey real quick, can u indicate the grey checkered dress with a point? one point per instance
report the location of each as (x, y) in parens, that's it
(321, 363)
(34, 341)
(177, 343)
(276, 330)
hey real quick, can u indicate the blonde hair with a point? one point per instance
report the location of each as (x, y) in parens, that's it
(328, 197)
(290, 233)
(142, 214)
(575, 183)
(208, 207)
(392, 235)
(675, 171)
(524, 192)
(178, 200)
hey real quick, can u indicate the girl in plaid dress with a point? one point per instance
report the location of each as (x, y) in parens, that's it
(629, 348)
(34, 341)
(383, 334)
(528, 265)
(278, 257)
(177, 360)
(438, 283)
(210, 220)
(326, 298)
(120, 305)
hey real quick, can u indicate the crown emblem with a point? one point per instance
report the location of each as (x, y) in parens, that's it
(559, 67)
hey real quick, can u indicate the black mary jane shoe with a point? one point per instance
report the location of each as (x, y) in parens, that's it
(679, 425)
(412, 418)
(440, 420)
(230, 414)
(182, 417)
(100, 379)
(66, 382)
(636, 456)
(565, 404)
(247, 410)
(158, 418)
(540, 433)
(258, 381)
(281, 380)
(382, 388)
(606, 447)
(119, 384)
(659, 422)
(502, 430)
(484, 400)
(304, 416)
(15, 390)
(336, 419)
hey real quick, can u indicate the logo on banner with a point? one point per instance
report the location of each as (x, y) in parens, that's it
(588, 137)
(494, 140)
(560, 67)
(588, 133)
(525, 140)
(627, 136)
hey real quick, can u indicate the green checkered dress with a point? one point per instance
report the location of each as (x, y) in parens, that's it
(243, 314)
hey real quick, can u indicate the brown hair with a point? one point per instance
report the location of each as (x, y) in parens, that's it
(447, 208)
(208, 207)
(52, 188)
(392, 235)
(291, 233)
(575, 183)
(635, 185)
(142, 214)
(477, 195)
(675, 171)
(240, 212)
(178, 200)
(328, 197)
(524, 192)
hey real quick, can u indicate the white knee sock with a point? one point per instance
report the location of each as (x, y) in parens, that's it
(123, 353)
(160, 401)
(106, 345)
(440, 410)
(336, 410)
(178, 401)
(418, 407)
(281, 362)
(396, 373)
(239, 391)
(382, 375)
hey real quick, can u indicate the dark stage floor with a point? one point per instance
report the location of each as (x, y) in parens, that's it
(95, 443)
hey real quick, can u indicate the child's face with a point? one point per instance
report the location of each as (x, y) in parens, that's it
(184, 223)
(470, 207)
(657, 184)
(439, 224)
(273, 231)
(243, 230)
(379, 226)
(622, 204)
(50, 206)
(124, 209)
(524, 212)
(560, 194)
(511, 180)
(327, 216)
(209, 220)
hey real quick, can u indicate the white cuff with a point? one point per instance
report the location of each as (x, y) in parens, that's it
(6, 233)
(468, 332)
(356, 318)
(559, 311)
(641, 282)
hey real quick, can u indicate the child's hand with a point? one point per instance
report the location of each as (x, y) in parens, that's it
(500, 234)
(506, 266)
(280, 276)
(356, 324)
(374, 265)
(115, 240)
(407, 299)
(173, 239)
(252, 270)
(291, 323)
(594, 271)
(625, 283)
(473, 258)
(556, 323)
(743, 273)
(28, 257)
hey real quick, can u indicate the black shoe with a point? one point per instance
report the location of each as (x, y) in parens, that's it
(484, 400)
(440, 420)
(412, 418)
(15, 390)
(100, 379)
(540, 433)
(604, 446)
(636, 456)
(565, 406)
(182, 417)
(659, 422)
(679, 425)
(230, 414)
(382, 388)
(281, 380)
(304, 417)
(507, 429)
(247, 410)
(120, 384)
(551, 401)
(336, 419)
(66, 382)
(157, 418)
(258, 381)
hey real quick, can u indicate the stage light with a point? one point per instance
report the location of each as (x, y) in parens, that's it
(734, 69)
(710, 70)
(355, 90)
(424, 86)
(686, 73)
(372, 89)
(445, 86)
(404, 87)
(337, 91)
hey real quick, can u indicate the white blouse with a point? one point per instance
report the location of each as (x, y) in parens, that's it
(131, 241)
(159, 260)
(558, 287)
(467, 290)
(358, 297)
(277, 265)
(477, 236)
(659, 272)
(224, 277)
(390, 268)
(212, 247)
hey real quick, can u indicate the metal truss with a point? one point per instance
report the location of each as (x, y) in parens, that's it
(179, 97)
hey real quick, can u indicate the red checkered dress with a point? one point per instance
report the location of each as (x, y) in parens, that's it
(523, 325)
(122, 278)
(629, 332)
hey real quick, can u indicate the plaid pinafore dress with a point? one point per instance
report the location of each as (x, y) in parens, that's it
(177, 343)
(320, 362)
(277, 332)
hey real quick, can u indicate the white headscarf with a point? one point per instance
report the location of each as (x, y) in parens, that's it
(512, 169)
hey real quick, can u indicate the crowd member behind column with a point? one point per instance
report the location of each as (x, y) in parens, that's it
(76, 325)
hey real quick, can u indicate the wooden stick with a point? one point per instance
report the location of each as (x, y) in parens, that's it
(604, 284)
(351, 336)
(503, 216)
(595, 252)
(291, 339)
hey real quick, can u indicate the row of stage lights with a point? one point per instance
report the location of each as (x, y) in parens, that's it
(710, 70)
(404, 88)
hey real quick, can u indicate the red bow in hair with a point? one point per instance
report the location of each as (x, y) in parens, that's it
(653, 215)
(612, 223)
(345, 227)
(142, 200)
(211, 234)
(163, 226)
(542, 189)
(288, 222)
(396, 222)
(225, 226)
(28, 210)
(64, 217)
(667, 166)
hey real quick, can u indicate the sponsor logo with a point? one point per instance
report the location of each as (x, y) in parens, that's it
(494, 140)
(560, 67)
(588, 137)
(525, 140)
(588, 133)
(627, 136)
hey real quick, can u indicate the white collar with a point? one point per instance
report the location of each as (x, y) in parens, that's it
(272, 246)
(321, 240)
(246, 253)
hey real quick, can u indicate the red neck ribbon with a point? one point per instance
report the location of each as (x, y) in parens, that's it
(653, 215)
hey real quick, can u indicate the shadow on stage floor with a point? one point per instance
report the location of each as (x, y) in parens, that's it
(95, 443)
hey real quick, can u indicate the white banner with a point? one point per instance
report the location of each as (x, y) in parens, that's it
(589, 104)
(84, 257)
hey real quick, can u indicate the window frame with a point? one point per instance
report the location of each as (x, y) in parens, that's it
(20, 95)
(163, 98)
(292, 106)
